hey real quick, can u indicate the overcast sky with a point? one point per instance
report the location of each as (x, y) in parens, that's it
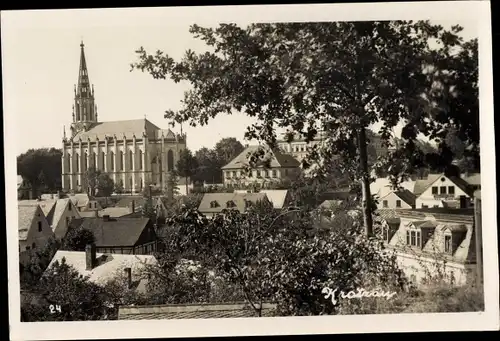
(41, 52)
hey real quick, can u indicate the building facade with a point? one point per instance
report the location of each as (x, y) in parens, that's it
(280, 167)
(132, 152)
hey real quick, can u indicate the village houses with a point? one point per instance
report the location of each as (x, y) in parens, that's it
(281, 167)
(439, 190)
(34, 230)
(214, 203)
(121, 235)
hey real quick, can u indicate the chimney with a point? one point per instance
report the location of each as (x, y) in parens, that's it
(128, 274)
(463, 201)
(132, 206)
(90, 256)
(105, 217)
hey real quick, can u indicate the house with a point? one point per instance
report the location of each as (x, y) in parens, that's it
(135, 203)
(474, 180)
(383, 186)
(399, 199)
(280, 198)
(193, 311)
(34, 230)
(430, 242)
(122, 235)
(104, 267)
(281, 167)
(60, 216)
(439, 190)
(84, 202)
(115, 212)
(214, 203)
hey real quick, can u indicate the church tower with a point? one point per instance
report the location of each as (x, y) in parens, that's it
(84, 108)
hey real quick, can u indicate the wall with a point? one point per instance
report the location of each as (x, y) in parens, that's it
(238, 177)
(132, 176)
(34, 236)
(391, 202)
(431, 200)
(419, 268)
(70, 212)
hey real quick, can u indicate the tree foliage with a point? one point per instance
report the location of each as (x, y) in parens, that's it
(31, 272)
(41, 168)
(281, 256)
(72, 297)
(186, 165)
(77, 239)
(340, 77)
(227, 149)
(99, 183)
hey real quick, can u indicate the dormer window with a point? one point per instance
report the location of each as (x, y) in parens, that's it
(453, 237)
(230, 204)
(419, 232)
(390, 228)
(248, 203)
(214, 204)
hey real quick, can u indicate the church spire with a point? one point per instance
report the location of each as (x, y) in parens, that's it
(85, 110)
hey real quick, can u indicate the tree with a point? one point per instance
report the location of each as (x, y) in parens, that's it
(340, 77)
(227, 149)
(31, 272)
(41, 164)
(209, 166)
(77, 239)
(186, 165)
(98, 182)
(258, 253)
(71, 296)
(119, 189)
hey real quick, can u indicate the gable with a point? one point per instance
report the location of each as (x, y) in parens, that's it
(442, 179)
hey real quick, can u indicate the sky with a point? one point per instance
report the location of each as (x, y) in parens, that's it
(41, 56)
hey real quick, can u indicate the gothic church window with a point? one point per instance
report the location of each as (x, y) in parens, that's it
(170, 160)
(140, 159)
(102, 160)
(131, 158)
(77, 163)
(112, 159)
(122, 160)
(95, 161)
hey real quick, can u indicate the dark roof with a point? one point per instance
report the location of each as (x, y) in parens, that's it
(277, 159)
(117, 231)
(221, 199)
(127, 201)
(191, 311)
(407, 196)
(439, 213)
(462, 184)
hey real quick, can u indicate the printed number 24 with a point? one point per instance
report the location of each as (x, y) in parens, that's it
(55, 308)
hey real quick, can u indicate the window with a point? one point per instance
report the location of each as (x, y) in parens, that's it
(447, 244)
(442, 190)
(451, 189)
(95, 205)
(434, 190)
(140, 159)
(33, 246)
(86, 164)
(398, 203)
(39, 226)
(234, 174)
(69, 206)
(112, 161)
(413, 238)
(385, 203)
(90, 205)
(122, 159)
(274, 173)
(68, 159)
(103, 160)
(77, 163)
(131, 158)
(170, 160)
(286, 171)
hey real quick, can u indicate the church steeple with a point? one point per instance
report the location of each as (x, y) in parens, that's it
(84, 108)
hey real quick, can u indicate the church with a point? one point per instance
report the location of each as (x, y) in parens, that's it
(133, 153)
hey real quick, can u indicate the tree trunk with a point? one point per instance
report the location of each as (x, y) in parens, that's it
(365, 183)
(187, 186)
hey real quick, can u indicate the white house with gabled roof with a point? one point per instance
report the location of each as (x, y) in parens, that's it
(439, 190)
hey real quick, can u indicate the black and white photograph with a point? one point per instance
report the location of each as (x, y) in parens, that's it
(250, 170)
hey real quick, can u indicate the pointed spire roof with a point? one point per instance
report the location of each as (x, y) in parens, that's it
(83, 76)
